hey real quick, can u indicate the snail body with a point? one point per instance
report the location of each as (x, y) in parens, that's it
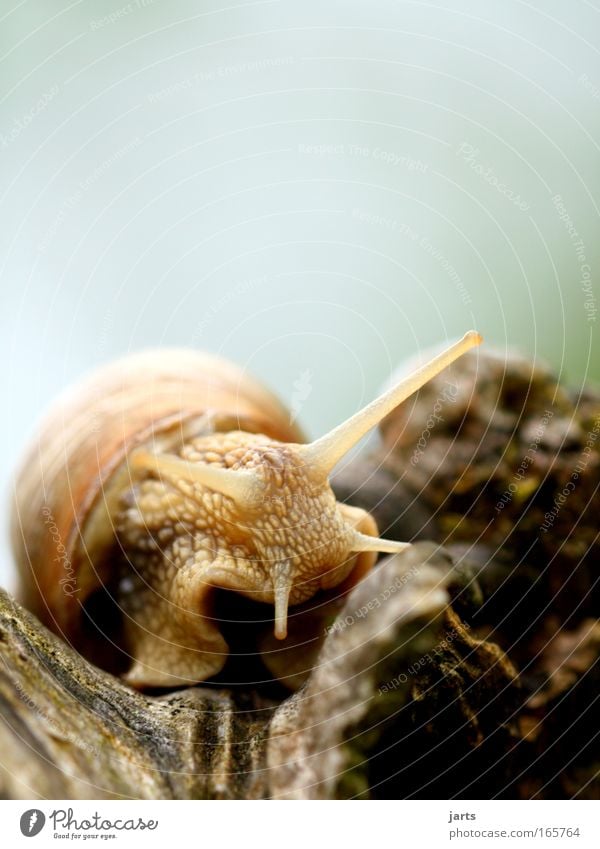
(168, 475)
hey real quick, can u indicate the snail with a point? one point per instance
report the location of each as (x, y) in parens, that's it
(169, 474)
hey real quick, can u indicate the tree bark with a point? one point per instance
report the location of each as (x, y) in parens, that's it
(70, 730)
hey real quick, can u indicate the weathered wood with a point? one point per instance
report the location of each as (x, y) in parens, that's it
(499, 463)
(70, 730)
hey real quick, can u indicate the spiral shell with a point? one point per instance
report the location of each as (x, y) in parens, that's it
(66, 489)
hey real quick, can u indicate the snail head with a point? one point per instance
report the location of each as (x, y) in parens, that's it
(286, 533)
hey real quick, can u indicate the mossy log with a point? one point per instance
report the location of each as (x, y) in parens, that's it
(500, 464)
(70, 730)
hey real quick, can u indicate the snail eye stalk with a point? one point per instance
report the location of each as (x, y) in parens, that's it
(323, 454)
(243, 486)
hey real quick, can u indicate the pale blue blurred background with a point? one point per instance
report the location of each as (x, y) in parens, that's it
(314, 189)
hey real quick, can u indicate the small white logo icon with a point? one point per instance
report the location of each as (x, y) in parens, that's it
(32, 822)
(302, 389)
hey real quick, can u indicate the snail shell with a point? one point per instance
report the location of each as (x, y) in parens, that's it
(74, 474)
(168, 474)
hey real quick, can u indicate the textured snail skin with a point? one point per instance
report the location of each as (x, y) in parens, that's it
(171, 474)
(184, 540)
